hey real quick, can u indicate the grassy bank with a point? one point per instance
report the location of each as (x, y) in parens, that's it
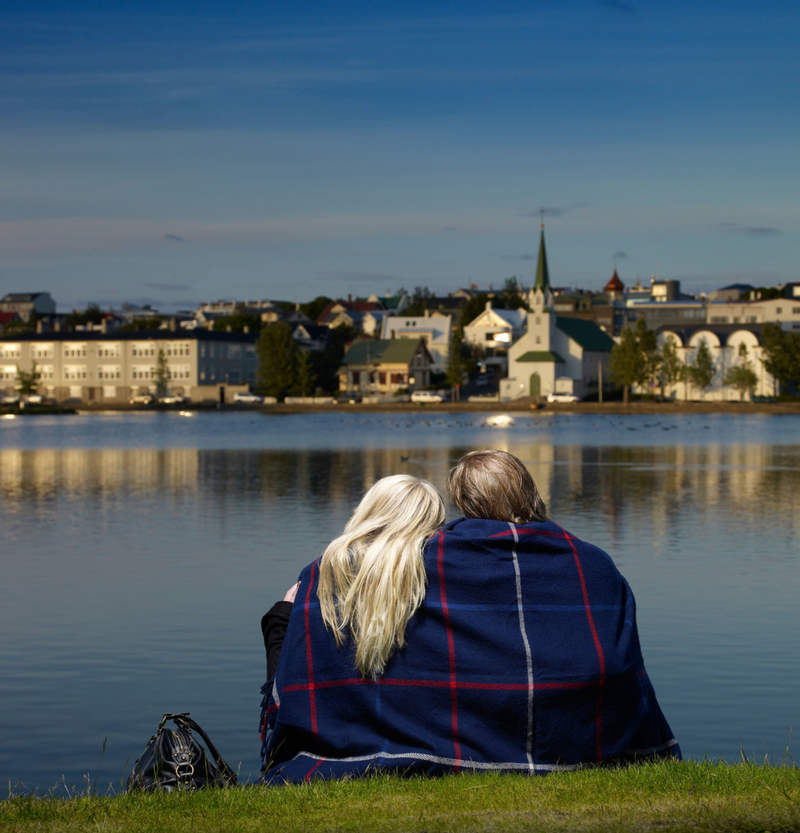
(692, 796)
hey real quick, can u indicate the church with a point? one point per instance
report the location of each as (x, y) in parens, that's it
(555, 354)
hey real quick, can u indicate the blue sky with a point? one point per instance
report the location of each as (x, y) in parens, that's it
(168, 153)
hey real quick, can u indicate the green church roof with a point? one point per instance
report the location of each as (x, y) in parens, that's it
(542, 274)
(586, 333)
(540, 356)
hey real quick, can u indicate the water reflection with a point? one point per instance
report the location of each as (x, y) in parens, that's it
(134, 578)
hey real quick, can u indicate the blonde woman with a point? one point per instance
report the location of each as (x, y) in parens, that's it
(499, 642)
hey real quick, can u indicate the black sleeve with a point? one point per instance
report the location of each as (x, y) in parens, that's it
(273, 627)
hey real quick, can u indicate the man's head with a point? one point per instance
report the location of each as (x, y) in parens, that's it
(496, 486)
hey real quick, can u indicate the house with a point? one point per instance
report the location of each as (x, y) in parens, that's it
(385, 366)
(311, 336)
(331, 314)
(97, 367)
(493, 331)
(25, 304)
(555, 354)
(434, 329)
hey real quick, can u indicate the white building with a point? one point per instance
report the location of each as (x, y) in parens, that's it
(434, 328)
(110, 367)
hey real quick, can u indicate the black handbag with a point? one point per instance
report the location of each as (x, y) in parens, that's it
(174, 760)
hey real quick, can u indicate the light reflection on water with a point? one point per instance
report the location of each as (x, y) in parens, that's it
(136, 566)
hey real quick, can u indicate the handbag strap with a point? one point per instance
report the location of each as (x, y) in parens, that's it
(184, 720)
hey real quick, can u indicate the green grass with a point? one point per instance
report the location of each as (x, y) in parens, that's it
(692, 796)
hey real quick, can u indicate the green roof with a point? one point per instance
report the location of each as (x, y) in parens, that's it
(381, 350)
(542, 273)
(586, 333)
(540, 356)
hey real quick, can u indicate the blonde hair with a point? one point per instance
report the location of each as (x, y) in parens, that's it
(495, 486)
(372, 577)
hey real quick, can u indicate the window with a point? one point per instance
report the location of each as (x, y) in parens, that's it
(382, 378)
(109, 392)
(47, 371)
(795, 310)
(143, 348)
(778, 310)
(234, 351)
(108, 351)
(108, 371)
(8, 373)
(74, 350)
(180, 371)
(9, 351)
(74, 371)
(41, 351)
(538, 339)
(177, 348)
(141, 372)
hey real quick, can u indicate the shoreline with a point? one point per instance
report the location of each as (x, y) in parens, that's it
(518, 406)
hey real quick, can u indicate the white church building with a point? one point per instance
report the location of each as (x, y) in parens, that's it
(555, 354)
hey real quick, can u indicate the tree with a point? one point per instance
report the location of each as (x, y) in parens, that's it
(305, 376)
(28, 383)
(418, 302)
(277, 360)
(472, 309)
(781, 354)
(510, 297)
(238, 322)
(635, 359)
(701, 371)
(313, 309)
(670, 366)
(162, 373)
(91, 315)
(741, 377)
(456, 363)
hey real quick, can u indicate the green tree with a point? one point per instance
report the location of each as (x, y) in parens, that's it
(510, 297)
(238, 322)
(418, 301)
(670, 366)
(472, 309)
(91, 315)
(277, 360)
(313, 309)
(28, 382)
(701, 371)
(305, 376)
(781, 354)
(635, 359)
(152, 322)
(162, 373)
(456, 361)
(741, 376)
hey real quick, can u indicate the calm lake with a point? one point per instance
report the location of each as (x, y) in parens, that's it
(139, 551)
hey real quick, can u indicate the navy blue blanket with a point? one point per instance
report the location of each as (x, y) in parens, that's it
(523, 657)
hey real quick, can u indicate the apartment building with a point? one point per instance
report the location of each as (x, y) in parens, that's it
(113, 366)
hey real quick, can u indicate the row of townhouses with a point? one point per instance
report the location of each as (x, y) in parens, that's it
(557, 342)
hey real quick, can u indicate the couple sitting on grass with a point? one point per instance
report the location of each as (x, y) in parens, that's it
(496, 642)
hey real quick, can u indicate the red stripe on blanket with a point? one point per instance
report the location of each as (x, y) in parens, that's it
(452, 652)
(313, 769)
(312, 702)
(597, 645)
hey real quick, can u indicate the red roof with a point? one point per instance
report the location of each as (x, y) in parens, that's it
(615, 284)
(6, 317)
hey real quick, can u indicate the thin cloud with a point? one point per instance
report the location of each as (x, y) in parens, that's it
(360, 277)
(552, 211)
(176, 237)
(753, 231)
(525, 256)
(617, 6)
(620, 255)
(167, 287)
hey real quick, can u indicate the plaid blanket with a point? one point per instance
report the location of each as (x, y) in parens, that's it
(523, 657)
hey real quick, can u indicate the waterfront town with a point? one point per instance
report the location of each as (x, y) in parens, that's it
(542, 342)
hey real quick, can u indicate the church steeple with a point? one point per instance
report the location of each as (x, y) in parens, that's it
(542, 274)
